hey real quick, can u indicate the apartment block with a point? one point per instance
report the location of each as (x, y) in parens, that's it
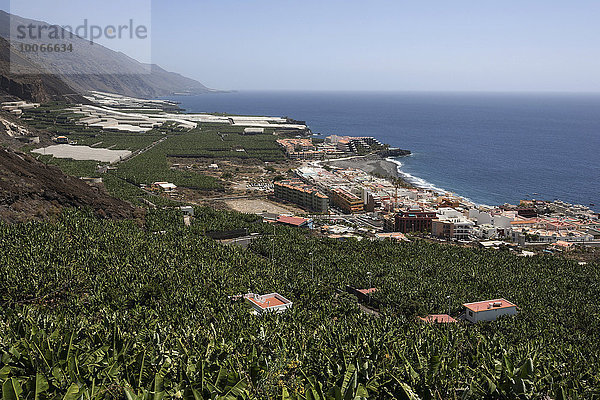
(295, 191)
(346, 201)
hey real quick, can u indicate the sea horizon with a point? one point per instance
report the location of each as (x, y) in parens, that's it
(391, 91)
(490, 147)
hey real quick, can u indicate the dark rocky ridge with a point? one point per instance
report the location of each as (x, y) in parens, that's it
(394, 152)
(35, 86)
(29, 189)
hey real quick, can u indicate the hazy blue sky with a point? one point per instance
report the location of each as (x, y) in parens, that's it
(470, 45)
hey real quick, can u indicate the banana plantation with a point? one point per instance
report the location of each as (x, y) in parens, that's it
(98, 309)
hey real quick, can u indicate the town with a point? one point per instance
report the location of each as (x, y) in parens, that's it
(380, 206)
(341, 187)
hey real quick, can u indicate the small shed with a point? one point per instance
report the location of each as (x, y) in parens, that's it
(363, 295)
(166, 187)
(187, 210)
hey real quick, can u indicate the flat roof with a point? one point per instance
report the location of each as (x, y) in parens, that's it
(296, 221)
(344, 193)
(527, 221)
(489, 305)
(300, 186)
(398, 235)
(269, 300)
(367, 291)
(83, 153)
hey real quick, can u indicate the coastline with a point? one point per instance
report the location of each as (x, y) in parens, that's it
(389, 168)
(353, 116)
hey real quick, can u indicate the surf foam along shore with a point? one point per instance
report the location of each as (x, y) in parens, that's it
(417, 182)
(421, 183)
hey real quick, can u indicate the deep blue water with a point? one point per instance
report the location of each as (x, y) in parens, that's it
(491, 148)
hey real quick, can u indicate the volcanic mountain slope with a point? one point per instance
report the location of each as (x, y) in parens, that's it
(30, 189)
(36, 85)
(95, 67)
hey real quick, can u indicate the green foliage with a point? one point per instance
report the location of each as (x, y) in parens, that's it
(208, 219)
(103, 309)
(213, 140)
(54, 118)
(152, 166)
(117, 141)
(77, 168)
(223, 142)
(119, 188)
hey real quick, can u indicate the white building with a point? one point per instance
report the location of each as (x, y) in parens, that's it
(254, 131)
(452, 224)
(187, 210)
(486, 231)
(486, 218)
(448, 212)
(524, 235)
(489, 310)
(166, 187)
(273, 302)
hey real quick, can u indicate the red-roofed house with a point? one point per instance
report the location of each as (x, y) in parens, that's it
(562, 245)
(295, 221)
(489, 310)
(367, 291)
(268, 302)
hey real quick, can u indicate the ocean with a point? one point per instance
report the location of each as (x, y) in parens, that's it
(490, 148)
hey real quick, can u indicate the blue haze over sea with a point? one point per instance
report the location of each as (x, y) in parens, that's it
(490, 148)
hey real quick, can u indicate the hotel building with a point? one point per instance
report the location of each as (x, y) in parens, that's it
(295, 191)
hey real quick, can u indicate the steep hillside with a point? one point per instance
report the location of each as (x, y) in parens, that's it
(30, 189)
(93, 67)
(36, 85)
(158, 83)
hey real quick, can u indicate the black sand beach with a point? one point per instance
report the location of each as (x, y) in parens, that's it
(372, 164)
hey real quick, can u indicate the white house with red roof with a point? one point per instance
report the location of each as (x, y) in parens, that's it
(489, 310)
(272, 302)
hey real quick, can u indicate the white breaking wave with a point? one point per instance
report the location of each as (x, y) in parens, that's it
(415, 180)
(421, 183)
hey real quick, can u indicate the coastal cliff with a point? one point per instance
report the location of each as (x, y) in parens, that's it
(394, 152)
